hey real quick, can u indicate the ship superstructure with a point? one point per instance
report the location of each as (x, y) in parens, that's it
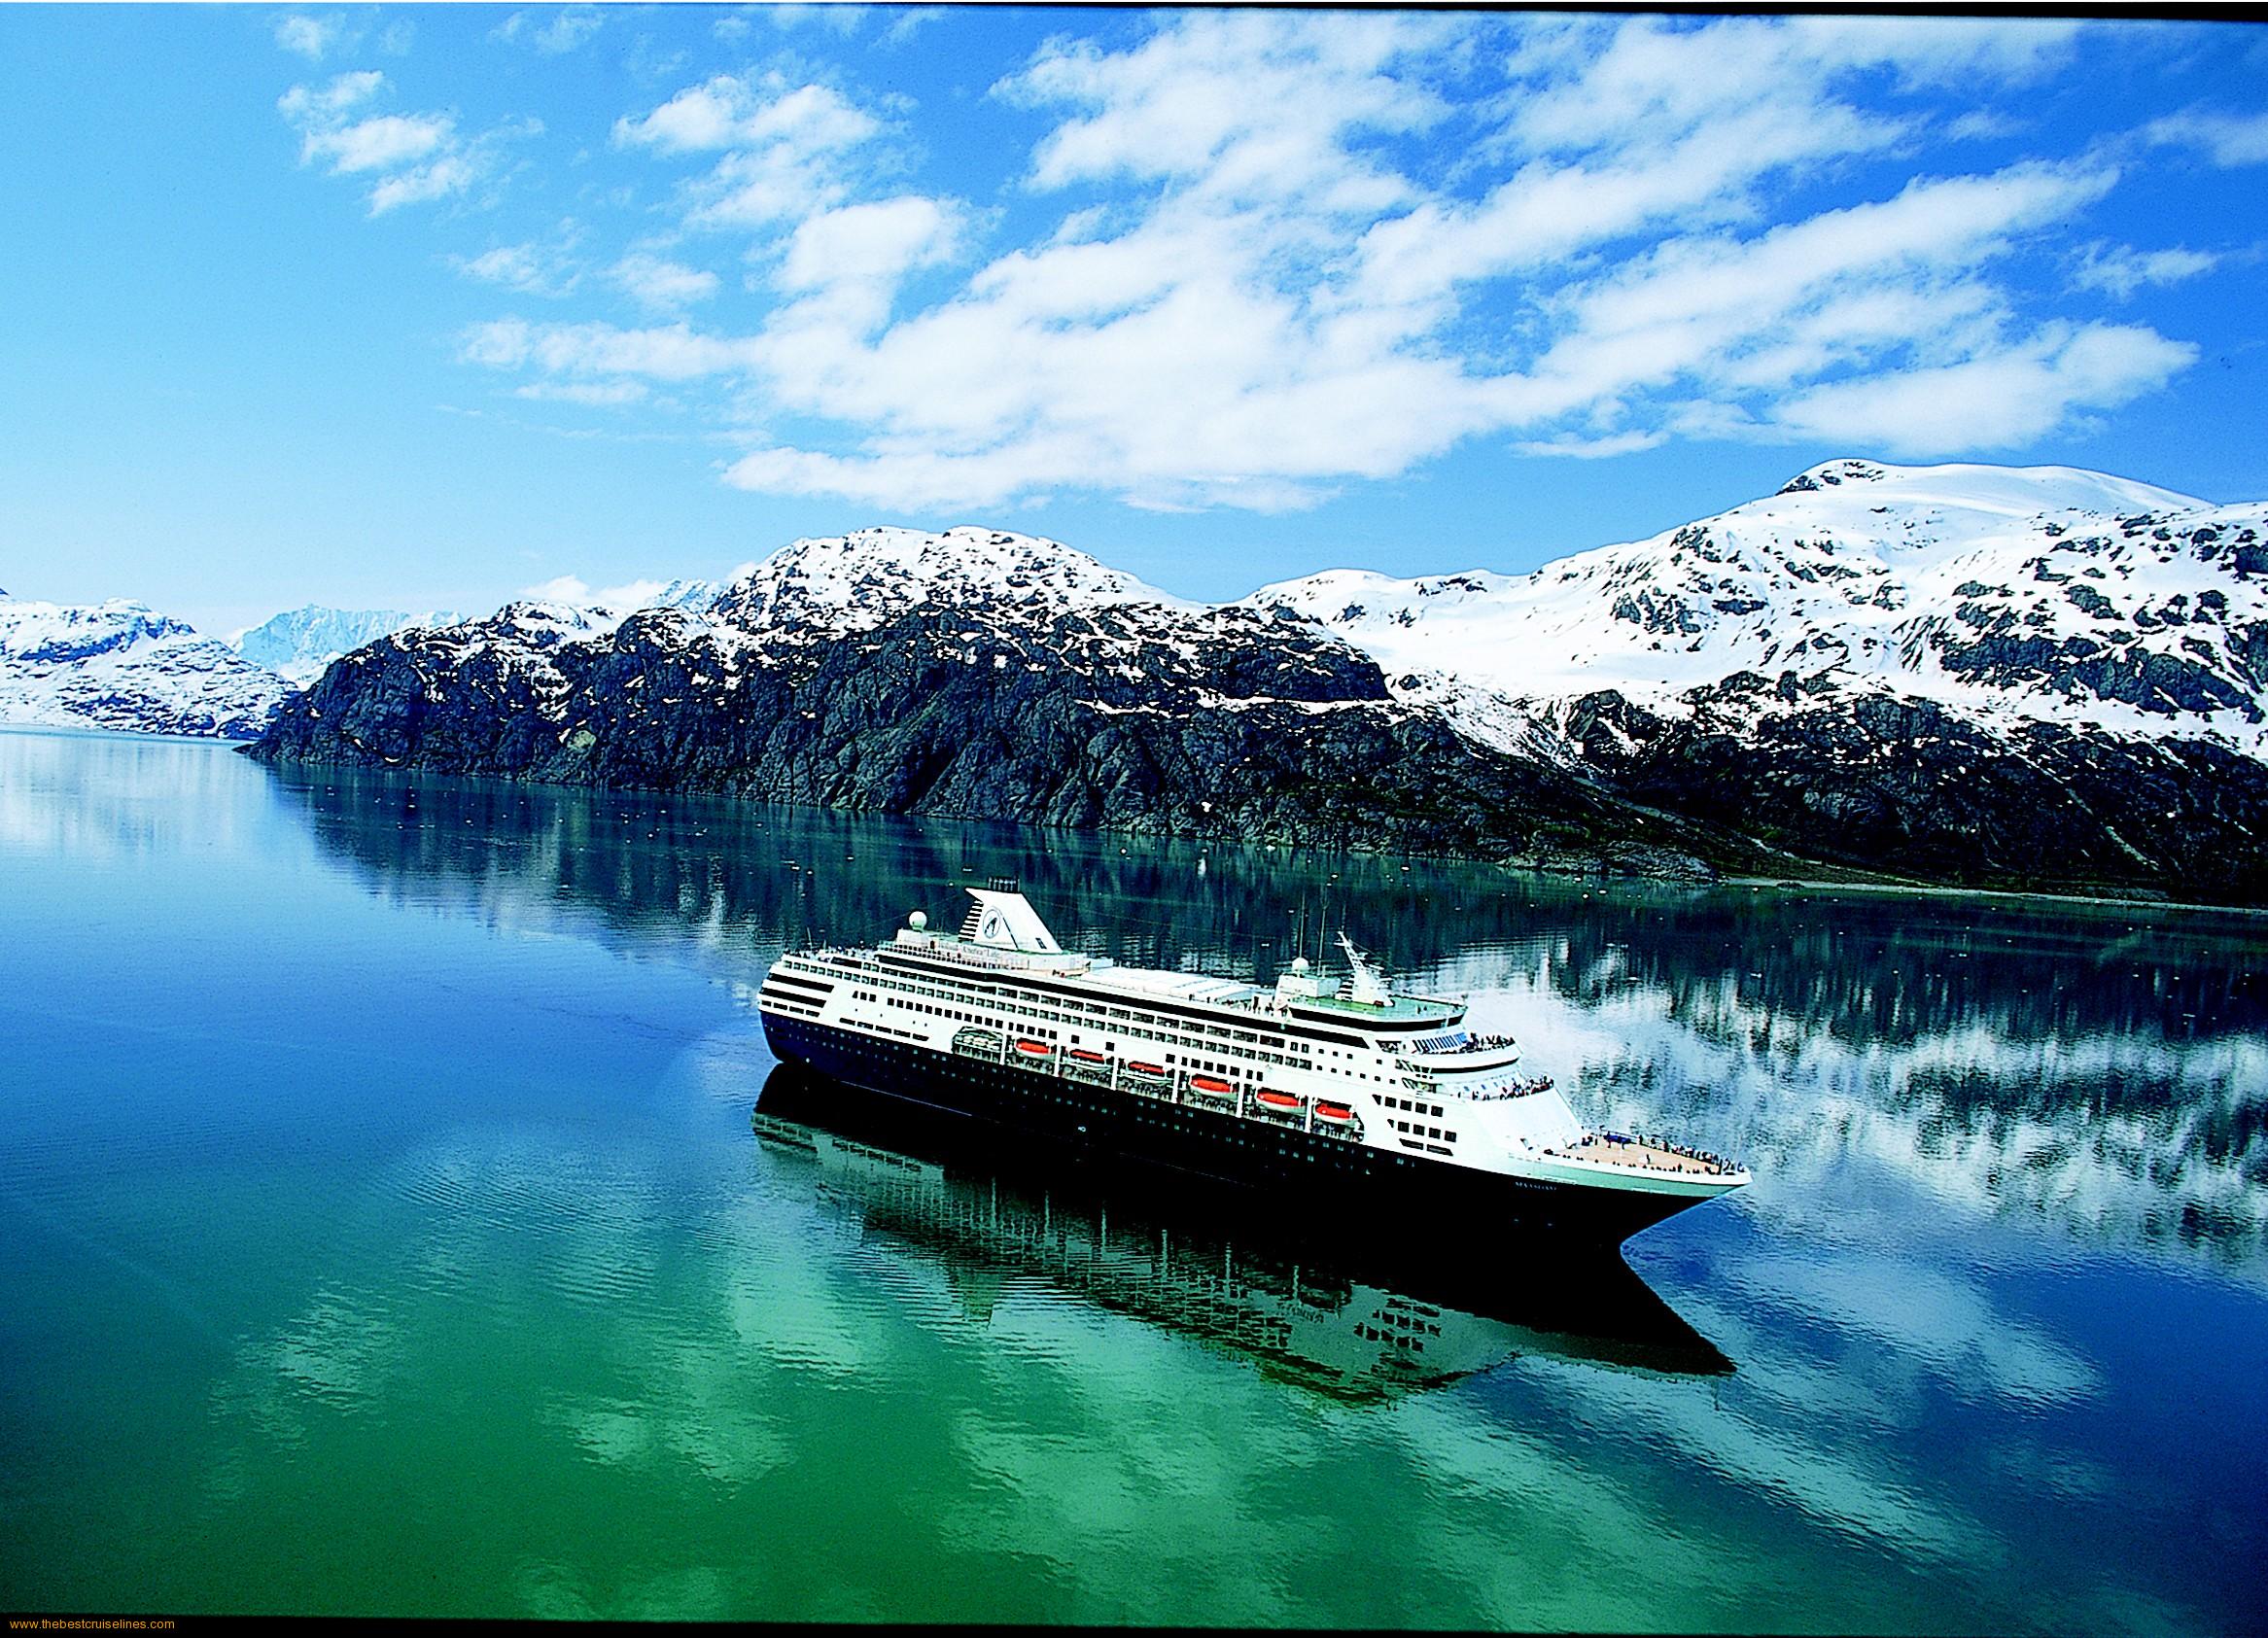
(1345, 1091)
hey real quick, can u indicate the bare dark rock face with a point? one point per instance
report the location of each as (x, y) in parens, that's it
(1904, 785)
(1223, 723)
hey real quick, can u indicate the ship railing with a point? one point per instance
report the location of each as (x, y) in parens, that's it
(1006, 960)
(1471, 1044)
(1517, 1089)
(1713, 1165)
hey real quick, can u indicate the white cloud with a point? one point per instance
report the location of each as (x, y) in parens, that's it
(871, 243)
(567, 28)
(1833, 290)
(563, 588)
(1995, 400)
(1239, 104)
(2227, 139)
(576, 592)
(905, 21)
(452, 173)
(380, 143)
(670, 353)
(784, 150)
(530, 268)
(593, 393)
(1980, 125)
(1592, 448)
(726, 112)
(839, 17)
(656, 282)
(306, 105)
(2120, 270)
(312, 38)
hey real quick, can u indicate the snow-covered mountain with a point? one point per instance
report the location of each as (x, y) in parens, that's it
(122, 665)
(2007, 596)
(972, 675)
(296, 646)
(821, 588)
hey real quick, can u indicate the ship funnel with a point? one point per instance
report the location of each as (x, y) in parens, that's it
(1004, 920)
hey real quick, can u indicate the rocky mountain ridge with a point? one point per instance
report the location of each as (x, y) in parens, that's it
(1783, 687)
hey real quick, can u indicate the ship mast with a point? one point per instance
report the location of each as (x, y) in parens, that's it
(1366, 983)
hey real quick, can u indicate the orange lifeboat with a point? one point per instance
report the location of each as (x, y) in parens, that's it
(1135, 1065)
(1211, 1086)
(1086, 1057)
(1283, 1103)
(1335, 1114)
(1035, 1049)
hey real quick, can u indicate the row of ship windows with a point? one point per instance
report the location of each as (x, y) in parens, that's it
(1422, 1130)
(1163, 1028)
(1405, 1323)
(1433, 1109)
(1400, 1339)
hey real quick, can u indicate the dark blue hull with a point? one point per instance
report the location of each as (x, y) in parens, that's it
(1308, 1177)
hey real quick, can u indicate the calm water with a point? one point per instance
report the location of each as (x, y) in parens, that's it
(383, 1231)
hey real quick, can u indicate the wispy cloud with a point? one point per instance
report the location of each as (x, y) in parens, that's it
(553, 32)
(784, 149)
(2228, 140)
(311, 37)
(1993, 399)
(2121, 270)
(667, 353)
(656, 282)
(406, 158)
(587, 393)
(532, 268)
(576, 592)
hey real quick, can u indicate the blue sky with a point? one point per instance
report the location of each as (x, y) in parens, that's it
(414, 307)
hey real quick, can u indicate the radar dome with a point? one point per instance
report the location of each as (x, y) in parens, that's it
(1299, 964)
(917, 919)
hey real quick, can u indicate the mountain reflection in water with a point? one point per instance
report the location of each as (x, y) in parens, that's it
(2100, 1068)
(1347, 1323)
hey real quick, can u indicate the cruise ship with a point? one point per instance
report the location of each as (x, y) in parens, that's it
(1344, 1103)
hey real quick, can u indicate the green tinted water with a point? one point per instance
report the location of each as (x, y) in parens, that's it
(384, 1233)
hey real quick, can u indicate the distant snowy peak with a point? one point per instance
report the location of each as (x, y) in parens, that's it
(296, 646)
(2040, 593)
(692, 596)
(869, 577)
(123, 665)
(530, 623)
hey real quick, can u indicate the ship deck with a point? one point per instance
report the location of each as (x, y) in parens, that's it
(1402, 1009)
(1645, 1154)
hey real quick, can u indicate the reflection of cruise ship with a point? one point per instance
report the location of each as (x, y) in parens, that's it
(1354, 1098)
(1337, 1328)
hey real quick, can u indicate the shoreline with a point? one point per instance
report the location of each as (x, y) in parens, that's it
(1789, 883)
(1778, 883)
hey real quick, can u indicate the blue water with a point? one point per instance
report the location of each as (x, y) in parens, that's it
(384, 1231)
